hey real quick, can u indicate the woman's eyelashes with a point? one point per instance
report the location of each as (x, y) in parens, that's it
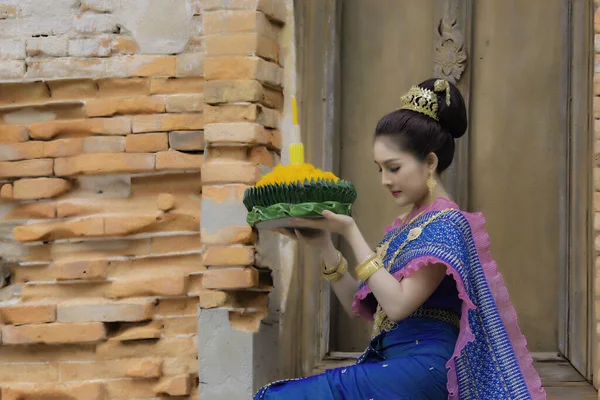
(392, 170)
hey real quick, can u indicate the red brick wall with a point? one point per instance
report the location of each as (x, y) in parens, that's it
(102, 174)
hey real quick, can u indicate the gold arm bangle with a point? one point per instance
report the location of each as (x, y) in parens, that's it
(338, 273)
(337, 265)
(371, 265)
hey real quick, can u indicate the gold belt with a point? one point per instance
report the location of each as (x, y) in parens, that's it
(441, 314)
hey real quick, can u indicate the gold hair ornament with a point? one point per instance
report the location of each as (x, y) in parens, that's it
(425, 101)
(421, 100)
(442, 85)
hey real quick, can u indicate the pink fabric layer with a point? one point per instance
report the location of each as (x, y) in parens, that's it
(499, 292)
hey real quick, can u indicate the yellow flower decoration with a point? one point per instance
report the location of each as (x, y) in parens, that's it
(286, 174)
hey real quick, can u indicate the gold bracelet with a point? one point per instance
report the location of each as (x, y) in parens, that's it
(337, 265)
(338, 273)
(368, 267)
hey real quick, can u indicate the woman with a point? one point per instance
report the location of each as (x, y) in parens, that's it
(444, 326)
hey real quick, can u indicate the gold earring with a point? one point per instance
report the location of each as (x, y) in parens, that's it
(431, 184)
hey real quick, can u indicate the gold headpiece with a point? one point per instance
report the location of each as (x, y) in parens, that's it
(425, 101)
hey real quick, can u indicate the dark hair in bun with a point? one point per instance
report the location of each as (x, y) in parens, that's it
(420, 134)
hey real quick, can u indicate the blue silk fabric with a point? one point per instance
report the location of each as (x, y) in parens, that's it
(409, 361)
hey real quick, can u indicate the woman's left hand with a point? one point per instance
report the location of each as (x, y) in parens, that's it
(332, 222)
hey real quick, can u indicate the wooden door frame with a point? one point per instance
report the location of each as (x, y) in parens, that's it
(318, 43)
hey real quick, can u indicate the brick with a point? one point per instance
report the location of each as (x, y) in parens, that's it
(63, 147)
(175, 160)
(97, 126)
(230, 235)
(6, 191)
(14, 134)
(212, 298)
(183, 306)
(106, 144)
(99, 6)
(230, 21)
(101, 310)
(182, 183)
(274, 9)
(54, 333)
(12, 49)
(230, 172)
(150, 286)
(65, 291)
(147, 142)
(128, 225)
(176, 85)
(50, 231)
(123, 87)
(230, 278)
(74, 270)
(165, 202)
(40, 188)
(39, 373)
(32, 211)
(243, 68)
(174, 385)
(21, 151)
(185, 103)
(73, 89)
(167, 122)
(67, 68)
(196, 45)
(28, 313)
(190, 64)
(149, 65)
(150, 368)
(124, 106)
(168, 347)
(241, 113)
(114, 369)
(228, 256)
(152, 330)
(47, 47)
(180, 326)
(27, 168)
(130, 389)
(223, 193)
(95, 23)
(8, 11)
(23, 93)
(242, 44)
(71, 391)
(12, 69)
(186, 140)
(262, 155)
(226, 154)
(240, 133)
(90, 47)
(124, 45)
(176, 244)
(217, 92)
(92, 164)
(194, 285)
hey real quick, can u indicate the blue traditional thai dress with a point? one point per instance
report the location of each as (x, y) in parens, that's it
(462, 343)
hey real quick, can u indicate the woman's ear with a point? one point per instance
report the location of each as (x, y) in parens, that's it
(432, 162)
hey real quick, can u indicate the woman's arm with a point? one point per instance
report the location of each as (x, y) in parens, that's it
(398, 299)
(346, 286)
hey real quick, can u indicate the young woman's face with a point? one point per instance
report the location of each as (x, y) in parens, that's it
(401, 173)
